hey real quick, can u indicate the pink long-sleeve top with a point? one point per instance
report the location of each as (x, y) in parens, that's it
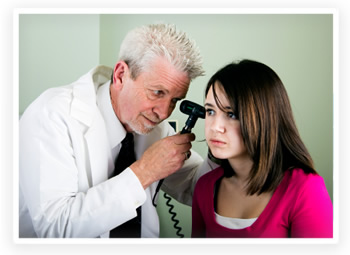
(299, 207)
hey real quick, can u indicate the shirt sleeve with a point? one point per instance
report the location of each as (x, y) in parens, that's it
(180, 184)
(312, 214)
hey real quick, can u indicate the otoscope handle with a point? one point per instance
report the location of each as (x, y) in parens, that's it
(186, 129)
(194, 111)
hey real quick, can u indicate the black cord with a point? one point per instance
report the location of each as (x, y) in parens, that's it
(171, 207)
(186, 129)
(157, 191)
(176, 222)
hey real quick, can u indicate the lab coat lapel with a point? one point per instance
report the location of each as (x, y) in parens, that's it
(84, 109)
(98, 149)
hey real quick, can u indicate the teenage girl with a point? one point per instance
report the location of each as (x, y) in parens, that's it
(266, 185)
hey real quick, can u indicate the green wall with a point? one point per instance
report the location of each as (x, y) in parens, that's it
(54, 50)
(57, 49)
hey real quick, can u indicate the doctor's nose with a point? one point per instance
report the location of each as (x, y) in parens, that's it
(164, 110)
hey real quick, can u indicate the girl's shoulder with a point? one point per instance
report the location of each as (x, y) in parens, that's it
(211, 177)
(296, 181)
(297, 177)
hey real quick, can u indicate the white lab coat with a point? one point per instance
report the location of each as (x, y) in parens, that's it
(65, 161)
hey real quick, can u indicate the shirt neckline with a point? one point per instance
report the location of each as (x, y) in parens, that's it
(258, 219)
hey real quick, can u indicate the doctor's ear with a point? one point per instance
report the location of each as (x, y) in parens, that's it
(119, 73)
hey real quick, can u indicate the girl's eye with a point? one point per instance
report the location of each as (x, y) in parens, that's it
(231, 115)
(210, 112)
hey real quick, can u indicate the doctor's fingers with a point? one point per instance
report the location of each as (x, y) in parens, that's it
(175, 149)
(183, 138)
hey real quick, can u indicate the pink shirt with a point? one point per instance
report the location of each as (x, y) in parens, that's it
(299, 207)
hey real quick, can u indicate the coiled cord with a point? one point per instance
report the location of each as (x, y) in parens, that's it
(173, 215)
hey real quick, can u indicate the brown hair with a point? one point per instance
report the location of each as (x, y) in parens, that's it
(260, 102)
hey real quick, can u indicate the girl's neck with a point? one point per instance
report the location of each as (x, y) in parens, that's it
(242, 169)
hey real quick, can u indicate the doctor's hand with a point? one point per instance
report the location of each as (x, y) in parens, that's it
(163, 158)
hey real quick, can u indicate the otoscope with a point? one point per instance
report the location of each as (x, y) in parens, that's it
(195, 111)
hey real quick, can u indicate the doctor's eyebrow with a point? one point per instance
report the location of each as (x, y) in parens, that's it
(165, 90)
(157, 87)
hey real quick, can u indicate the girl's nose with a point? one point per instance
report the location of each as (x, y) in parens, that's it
(218, 125)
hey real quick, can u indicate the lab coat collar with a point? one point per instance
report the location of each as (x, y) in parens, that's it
(84, 97)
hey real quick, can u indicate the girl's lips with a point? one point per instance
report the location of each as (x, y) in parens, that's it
(217, 142)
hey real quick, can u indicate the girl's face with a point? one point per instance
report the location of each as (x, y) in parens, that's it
(222, 128)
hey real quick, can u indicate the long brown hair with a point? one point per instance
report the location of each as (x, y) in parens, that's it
(260, 102)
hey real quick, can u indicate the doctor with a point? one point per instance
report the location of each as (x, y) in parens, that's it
(70, 137)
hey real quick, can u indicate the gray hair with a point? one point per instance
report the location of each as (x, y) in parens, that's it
(144, 44)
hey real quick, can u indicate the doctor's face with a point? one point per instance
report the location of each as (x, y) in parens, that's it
(151, 97)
